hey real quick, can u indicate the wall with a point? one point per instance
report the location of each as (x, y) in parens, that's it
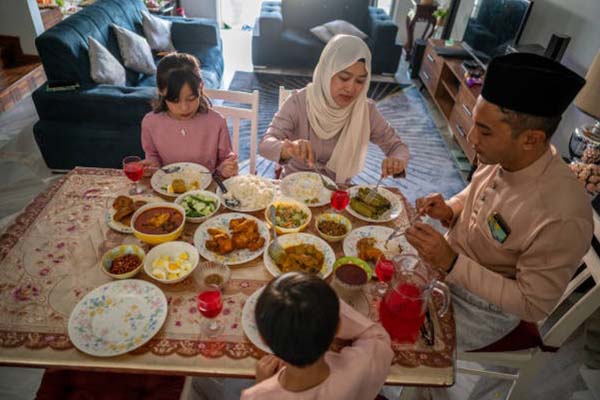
(576, 18)
(21, 18)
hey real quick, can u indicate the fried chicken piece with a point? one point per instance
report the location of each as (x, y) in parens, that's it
(122, 213)
(122, 202)
(367, 250)
(178, 186)
(256, 244)
(138, 203)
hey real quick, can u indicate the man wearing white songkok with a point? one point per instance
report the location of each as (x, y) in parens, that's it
(329, 123)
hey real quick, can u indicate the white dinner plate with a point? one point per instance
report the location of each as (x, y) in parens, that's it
(293, 239)
(245, 188)
(307, 188)
(189, 172)
(117, 317)
(394, 211)
(249, 322)
(398, 245)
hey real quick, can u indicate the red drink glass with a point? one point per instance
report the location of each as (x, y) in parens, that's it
(340, 200)
(134, 170)
(384, 269)
(210, 304)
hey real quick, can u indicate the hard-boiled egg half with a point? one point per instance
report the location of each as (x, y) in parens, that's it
(168, 268)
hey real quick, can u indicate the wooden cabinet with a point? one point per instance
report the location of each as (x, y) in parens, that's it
(445, 82)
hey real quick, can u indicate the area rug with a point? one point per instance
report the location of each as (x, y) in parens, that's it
(431, 167)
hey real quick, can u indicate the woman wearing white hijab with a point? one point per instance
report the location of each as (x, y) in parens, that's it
(329, 123)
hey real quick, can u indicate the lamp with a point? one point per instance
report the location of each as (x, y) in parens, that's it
(588, 101)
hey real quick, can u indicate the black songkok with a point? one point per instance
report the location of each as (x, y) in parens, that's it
(530, 84)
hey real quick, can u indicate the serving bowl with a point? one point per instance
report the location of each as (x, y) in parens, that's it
(288, 202)
(153, 236)
(201, 194)
(177, 258)
(112, 254)
(334, 217)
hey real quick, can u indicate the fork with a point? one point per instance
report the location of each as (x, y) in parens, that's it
(373, 192)
(395, 234)
(326, 184)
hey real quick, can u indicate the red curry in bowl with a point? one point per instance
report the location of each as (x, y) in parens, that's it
(158, 221)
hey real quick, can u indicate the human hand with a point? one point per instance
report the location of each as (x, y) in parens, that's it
(150, 167)
(299, 149)
(434, 205)
(267, 366)
(432, 246)
(229, 167)
(392, 166)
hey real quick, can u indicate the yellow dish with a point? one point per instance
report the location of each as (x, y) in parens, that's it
(340, 219)
(282, 202)
(109, 256)
(158, 238)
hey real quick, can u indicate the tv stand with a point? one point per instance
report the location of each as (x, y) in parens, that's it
(444, 79)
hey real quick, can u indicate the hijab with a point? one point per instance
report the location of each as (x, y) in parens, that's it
(327, 119)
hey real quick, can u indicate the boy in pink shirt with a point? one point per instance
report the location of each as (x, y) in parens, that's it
(298, 316)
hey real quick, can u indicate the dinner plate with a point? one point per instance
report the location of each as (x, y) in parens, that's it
(249, 322)
(188, 171)
(111, 211)
(294, 239)
(117, 317)
(394, 211)
(307, 188)
(380, 234)
(222, 222)
(244, 188)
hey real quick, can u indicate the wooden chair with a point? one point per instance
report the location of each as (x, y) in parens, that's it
(283, 95)
(528, 362)
(237, 114)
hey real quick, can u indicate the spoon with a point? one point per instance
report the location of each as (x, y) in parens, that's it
(170, 170)
(230, 202)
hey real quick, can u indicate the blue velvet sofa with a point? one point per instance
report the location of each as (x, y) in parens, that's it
(282, 37)
(97, 125)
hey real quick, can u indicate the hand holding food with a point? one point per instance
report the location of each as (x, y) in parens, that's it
(431, 245)
(150, 167)
(434, 206)
(299, 149)
(392, 166)
(229, 167)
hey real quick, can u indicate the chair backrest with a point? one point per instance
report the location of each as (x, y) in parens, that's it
(560, 331)
(283, 95)
(237, 114)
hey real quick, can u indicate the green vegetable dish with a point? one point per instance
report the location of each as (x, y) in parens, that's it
(289, 217)
(196, 206)
(374, 208)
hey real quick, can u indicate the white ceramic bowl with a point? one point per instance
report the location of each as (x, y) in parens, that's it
(201, 193)
(289, 202)
(172, 249)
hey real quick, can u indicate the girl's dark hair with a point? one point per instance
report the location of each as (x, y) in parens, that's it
(172, 73)
(298, 315)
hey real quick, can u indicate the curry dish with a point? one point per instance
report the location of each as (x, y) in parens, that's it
(303, 258)
(244, 235)
(158, 221)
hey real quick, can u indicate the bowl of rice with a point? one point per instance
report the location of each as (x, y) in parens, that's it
(253, 192)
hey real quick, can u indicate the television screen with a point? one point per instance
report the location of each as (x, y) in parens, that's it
(494, 25)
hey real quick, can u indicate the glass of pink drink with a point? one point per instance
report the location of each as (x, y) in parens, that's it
(134, 170)
(210, 304)
(402, 309)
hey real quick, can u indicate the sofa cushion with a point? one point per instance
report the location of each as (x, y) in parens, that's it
(135, 51)
(104, 67)
(157, 32)
(322, 33)
(341, 27)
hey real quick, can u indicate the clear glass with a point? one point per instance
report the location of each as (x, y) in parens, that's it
(212, 273)
(134, 170)
(210, 304)
(384, 269)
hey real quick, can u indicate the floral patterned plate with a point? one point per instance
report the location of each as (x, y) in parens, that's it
(294, 239)
(195, 176)
(394, 247)
(389, 215)
(249, 322)
(222, 222)
(307, 188)
(117, 317)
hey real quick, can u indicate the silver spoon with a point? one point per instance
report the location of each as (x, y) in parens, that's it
(230, 202)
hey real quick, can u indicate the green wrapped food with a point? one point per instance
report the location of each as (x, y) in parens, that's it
(367, 210)
(378, 200)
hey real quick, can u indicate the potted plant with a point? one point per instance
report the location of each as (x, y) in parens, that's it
(440, 15)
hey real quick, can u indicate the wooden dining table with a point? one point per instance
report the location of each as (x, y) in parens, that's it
(49, 260)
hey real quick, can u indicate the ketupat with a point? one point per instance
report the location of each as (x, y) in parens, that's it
(378, 201)
(367, 210)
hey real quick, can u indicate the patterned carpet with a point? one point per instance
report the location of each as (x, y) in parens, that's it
(431, 167)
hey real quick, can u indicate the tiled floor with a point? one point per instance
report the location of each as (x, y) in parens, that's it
(24, 175)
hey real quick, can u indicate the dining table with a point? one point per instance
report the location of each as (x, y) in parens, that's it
(50, 259)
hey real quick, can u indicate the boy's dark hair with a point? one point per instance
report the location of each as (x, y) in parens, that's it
(172, 73)
(519, 122)
(298, 315)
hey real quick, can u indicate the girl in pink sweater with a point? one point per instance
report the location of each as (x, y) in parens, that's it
(182, 126)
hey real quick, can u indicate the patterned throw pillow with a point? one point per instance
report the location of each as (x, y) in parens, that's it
(105, 68)
(157, 32)
(338, 27)
(135, 51)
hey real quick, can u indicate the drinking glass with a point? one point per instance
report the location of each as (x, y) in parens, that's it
(384, 269)
(210, 304)
(134, 170)
(340, 199)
